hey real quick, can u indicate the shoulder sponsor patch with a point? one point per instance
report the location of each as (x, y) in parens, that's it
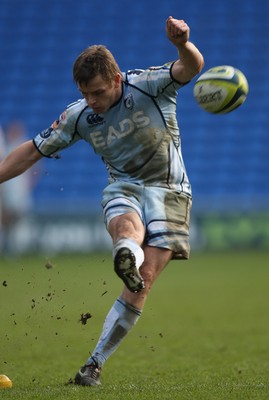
(46, 133)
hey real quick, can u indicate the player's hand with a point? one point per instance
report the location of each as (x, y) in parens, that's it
(177, 31)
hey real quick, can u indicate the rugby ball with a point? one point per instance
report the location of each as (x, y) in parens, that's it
(221, 89)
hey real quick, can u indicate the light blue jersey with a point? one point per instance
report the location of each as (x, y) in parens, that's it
(138, 138)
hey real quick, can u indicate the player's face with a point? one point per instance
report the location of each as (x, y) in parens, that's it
(99, 94)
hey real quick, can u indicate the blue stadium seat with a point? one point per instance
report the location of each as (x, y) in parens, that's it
(226, 156)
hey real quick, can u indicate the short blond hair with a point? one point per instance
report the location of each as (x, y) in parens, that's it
(93, 61)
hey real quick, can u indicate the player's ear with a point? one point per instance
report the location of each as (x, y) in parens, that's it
(118, 79)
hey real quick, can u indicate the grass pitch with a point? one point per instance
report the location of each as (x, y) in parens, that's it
(204, 333)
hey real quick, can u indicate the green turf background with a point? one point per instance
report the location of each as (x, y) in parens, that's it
(204, 333)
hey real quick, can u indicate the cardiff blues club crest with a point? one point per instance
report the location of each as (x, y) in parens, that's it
(129, 101)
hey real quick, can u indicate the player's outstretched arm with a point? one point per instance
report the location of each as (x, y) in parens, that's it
(190, 61)
(18, 161)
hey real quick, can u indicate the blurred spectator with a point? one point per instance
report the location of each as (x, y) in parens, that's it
(16, 194)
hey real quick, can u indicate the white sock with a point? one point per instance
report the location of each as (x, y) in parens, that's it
(133, 246)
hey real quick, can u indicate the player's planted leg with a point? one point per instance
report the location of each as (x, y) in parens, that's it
(119, 321)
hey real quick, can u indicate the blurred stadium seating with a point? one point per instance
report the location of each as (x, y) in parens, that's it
(227, 156)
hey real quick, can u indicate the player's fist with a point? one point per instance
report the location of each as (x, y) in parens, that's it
(177, 30)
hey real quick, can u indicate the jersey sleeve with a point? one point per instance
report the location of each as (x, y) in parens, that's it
(155, 80)
(60, 135)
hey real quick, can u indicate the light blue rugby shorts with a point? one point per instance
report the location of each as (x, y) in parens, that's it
(164, 213)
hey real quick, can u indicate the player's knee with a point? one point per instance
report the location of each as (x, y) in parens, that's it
(128, 226)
